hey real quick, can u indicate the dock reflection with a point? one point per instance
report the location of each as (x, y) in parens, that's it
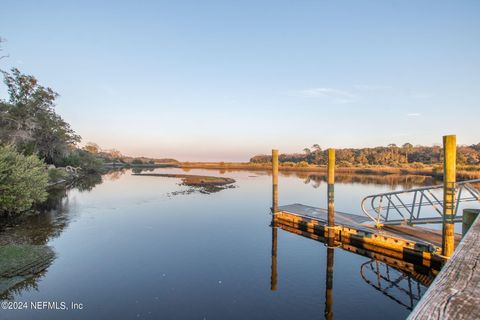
(397, 285)
(401, 281)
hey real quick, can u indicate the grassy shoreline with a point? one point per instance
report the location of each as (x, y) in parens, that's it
(431, 171)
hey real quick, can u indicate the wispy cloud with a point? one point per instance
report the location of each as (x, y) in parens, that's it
(414, 114)
(370, 87)
(335, 95)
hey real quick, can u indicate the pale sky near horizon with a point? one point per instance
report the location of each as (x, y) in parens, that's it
(224, 80)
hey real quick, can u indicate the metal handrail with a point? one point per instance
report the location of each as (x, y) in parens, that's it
(422, 197)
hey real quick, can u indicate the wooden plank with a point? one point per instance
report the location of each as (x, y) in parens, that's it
(429, 235)
(322, 214)
(426, 220)
(455, 293)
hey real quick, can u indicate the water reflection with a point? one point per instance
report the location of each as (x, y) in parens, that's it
(126, 215)
(31, 234)
(274, 275)
(329, 279)
(391, 180)
(400, 281)
(403, 288)
(140, 170)
(9, 288)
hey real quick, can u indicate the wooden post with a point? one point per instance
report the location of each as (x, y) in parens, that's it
(275, 180)
(449, 180)
(331, 193)
(330, 234)
(469, 216)
(273, 278)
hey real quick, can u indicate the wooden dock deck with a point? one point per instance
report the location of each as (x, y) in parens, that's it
(455, 292)
(400, 242)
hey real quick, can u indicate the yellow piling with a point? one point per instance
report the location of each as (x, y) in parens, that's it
(449, 179)
(275, 180)
(331, 193)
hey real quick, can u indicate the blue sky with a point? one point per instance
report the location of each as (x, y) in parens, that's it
(224, 80)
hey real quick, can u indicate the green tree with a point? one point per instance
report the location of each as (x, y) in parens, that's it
(23, 181)
(317, 153)
(28, 119)
(407, 147)
(137, 161)
(85, 160)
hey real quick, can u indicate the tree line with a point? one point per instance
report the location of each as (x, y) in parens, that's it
(34, 142)
(37, 146)
(391, 155)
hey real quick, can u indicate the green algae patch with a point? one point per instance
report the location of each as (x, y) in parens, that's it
(22, 259)
(22, 262)
(206, 184)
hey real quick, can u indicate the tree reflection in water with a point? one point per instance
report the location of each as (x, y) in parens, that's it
(34, 231)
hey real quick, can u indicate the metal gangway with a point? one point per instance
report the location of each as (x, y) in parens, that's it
(405, 206)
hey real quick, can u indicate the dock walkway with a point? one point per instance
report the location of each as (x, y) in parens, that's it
(455, 292)
(358, 231)
(319, 214)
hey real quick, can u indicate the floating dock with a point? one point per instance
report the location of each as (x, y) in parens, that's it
(455, 293)
(358, 231)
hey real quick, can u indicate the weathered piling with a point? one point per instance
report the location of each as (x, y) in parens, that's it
(469, 216)
(449, 180)
(275, 180)
(331, 193)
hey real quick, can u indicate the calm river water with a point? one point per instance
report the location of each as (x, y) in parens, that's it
(133, 247)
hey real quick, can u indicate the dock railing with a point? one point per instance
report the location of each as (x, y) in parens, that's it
(405, 206)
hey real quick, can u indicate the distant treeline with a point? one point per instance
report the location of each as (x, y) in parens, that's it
(392, 155)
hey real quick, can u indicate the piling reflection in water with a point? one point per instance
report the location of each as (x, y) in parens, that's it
(329, 280)
(273, 277)
(400, 281)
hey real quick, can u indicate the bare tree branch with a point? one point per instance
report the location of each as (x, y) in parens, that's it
(4, 56)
